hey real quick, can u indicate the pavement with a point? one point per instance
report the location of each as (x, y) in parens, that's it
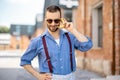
(10, 69)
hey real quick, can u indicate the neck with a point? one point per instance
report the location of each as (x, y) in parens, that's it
(55, 35)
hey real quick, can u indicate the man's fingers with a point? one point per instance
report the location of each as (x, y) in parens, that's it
(49, 76)
(46, 76)
(67, 25)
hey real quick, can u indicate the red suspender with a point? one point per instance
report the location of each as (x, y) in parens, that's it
(47, 55)
(70, 45)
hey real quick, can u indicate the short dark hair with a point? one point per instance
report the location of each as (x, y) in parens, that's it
(53, 8)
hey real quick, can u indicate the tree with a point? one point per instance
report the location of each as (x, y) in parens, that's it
(4, 29)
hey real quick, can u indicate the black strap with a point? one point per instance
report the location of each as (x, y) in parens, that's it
(47, 55)
(70, 45)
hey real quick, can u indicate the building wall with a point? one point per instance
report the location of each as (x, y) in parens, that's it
(117, 36)
(24, 42)
(97, 59)
(40, 30)
(4, 47)
(13, 42)
(21, 42)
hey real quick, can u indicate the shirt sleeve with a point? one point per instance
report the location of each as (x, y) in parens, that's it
(29, 54)
(83, 46)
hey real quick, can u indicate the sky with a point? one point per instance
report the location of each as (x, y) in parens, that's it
(20, 11)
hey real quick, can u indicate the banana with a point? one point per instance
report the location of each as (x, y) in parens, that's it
(62, 22)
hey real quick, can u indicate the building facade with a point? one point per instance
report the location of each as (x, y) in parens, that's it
(99, 19)
(21, 36)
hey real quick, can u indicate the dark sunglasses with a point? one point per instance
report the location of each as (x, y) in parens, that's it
(55, 21)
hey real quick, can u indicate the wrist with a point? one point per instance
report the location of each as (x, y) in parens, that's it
(37, 75)
(73, 31)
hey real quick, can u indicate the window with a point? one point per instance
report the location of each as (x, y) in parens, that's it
(97, 26)
(69, 3)
(100, 29)
(29, 29)
(68, 15)
(18, 29)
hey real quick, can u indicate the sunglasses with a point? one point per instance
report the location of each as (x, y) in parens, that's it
(55, 21)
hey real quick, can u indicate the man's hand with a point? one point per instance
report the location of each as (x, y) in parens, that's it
(45, 76)
(66, 25)
(69, 26)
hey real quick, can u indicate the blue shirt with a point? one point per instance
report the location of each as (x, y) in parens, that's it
(59, 54)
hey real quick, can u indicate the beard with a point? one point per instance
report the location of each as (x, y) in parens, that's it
(53, 28)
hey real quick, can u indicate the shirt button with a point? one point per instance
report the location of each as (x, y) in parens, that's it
(60, 59)
(61, 67)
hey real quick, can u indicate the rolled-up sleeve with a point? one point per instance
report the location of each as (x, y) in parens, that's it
(29, 54)
(83, 46)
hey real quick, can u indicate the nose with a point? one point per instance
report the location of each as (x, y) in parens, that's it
(53, 23)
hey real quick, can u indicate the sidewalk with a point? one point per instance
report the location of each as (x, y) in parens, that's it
(86, 75)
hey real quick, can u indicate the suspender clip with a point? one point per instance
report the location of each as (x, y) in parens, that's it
(48, 59)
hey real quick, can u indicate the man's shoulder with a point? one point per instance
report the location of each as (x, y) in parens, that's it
(38, 38)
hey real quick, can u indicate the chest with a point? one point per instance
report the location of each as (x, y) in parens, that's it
(55, 49)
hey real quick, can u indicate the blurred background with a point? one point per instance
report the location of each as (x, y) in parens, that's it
(22, 20)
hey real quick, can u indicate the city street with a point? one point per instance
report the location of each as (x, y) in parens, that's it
(98, 20)
(10, 69)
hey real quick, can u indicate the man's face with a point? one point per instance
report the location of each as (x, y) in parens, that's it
(52, 20)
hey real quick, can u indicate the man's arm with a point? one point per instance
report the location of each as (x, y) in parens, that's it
(28, 56)
(35, 73)
(82, 42)
(78, 35)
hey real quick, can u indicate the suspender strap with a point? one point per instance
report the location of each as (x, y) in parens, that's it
(70, 45)
(47, 55)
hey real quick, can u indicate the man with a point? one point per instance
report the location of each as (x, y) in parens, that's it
(55, 49)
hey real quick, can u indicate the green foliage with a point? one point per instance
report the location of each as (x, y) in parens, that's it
(4, 29)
